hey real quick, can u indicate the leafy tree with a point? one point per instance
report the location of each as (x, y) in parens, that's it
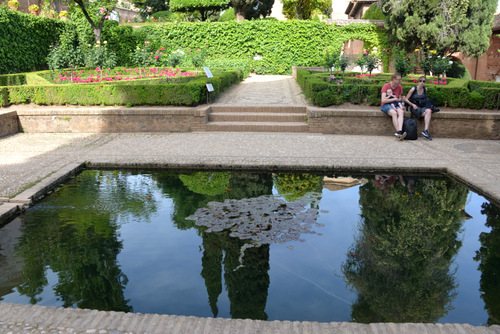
(374, 13)
(303, 9)
(451, 25)
(148, 7)
(252, 9)
(205, 8)
(95, 12)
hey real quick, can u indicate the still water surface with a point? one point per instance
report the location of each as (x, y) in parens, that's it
(260, 246)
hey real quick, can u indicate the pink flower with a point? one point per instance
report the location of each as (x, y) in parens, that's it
(156, 57)
(162, 48)
(103, 10)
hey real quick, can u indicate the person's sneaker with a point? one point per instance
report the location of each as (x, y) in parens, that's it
(426, 135)
(400, 134)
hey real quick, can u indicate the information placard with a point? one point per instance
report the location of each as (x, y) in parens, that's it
(210, 87)
(207, 72)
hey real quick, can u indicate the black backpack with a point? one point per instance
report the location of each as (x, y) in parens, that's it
(410, 127)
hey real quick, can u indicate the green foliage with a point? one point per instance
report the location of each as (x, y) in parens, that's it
(331, 58)
(206, 183)
(94, 13)
(294, 186)
(228, 15)
(148, 7)
(323, 92)
(222, 63)
(449, 24)
(282, 44)
(476, 100)
(205, 8)
(458, 70)
(374, 13)
(252, 9)
(25, 40)
(400, 261)
(99, 55)
(402, 63)
(303, 9)
(12, 80)
(489, 263)
(187, 91)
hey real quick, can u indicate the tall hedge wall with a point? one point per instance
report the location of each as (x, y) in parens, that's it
(25, 40)
(282, 44)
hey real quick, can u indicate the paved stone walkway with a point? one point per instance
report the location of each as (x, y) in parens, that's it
(35, 161)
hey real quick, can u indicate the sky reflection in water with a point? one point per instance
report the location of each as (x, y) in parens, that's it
(326, 250)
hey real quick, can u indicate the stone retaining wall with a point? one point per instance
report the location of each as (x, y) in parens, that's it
(444, 124)
(9, 123)
(81, 120)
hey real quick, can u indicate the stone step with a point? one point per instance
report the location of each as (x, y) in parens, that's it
(258, 109)
(236, 116)
(257, 126)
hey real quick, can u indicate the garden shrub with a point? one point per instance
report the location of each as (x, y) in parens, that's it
(476, 100)
(363, 90)
(4, 97)
(491, 97)
(458, 70)
(144, 92)
(223, 63)
(25, 40)
(13, 79)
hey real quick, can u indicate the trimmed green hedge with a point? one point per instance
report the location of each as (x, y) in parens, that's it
(13, 80)
(455, 94)
(187, 94)
(25, 40)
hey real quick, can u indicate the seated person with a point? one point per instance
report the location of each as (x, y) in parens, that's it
(386, 106)
(395, 105)
(416, 98)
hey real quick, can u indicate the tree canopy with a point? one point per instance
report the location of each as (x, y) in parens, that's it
(204, 7)
(96, 12)
(149, 7)
(448, 25)
(303, 9)
(252, 9)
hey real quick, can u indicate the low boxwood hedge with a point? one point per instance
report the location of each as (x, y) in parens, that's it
(457, 93)
(12, 79)
(127, 93)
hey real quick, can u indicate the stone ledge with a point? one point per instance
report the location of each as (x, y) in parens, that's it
(444, 124)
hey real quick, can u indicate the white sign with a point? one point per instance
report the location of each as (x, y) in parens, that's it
(207, 72)
(210, 87)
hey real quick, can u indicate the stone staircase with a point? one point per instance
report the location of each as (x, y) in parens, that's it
(230, 118)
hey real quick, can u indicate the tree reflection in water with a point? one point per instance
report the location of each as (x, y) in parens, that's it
(81, 248)
(489, 257)
(400, 262)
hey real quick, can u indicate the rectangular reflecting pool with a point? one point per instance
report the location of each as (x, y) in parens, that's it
(270, 246)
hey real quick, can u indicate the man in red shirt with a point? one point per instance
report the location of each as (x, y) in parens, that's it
(396, 113)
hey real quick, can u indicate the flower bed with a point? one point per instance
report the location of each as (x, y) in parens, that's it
(113, 75)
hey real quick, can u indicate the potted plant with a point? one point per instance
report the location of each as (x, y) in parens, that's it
(51, 13)
(63, 15)
(34, 9)
(13, 4)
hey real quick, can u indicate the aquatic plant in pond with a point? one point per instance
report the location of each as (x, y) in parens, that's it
(261, 220)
